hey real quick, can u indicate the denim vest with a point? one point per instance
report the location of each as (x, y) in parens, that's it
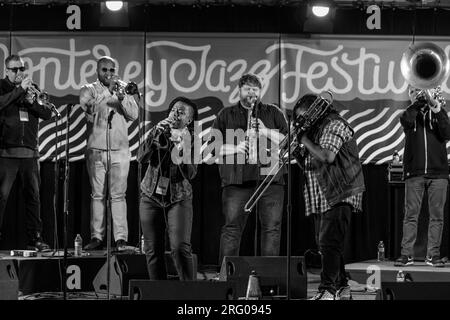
(344, 177)
(179, 175)
(179, 189)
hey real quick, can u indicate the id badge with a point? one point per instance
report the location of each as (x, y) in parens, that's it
(23, 115)
(163, 185)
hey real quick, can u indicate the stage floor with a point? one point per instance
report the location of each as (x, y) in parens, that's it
(361, 272)
(39, 278)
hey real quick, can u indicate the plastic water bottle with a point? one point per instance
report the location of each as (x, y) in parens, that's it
(381, 256)
(400, 276)
(78, 245)
(253, 287)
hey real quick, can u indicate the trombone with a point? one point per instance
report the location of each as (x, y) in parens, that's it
(302, 123)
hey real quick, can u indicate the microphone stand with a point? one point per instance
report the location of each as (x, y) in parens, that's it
(66, 199)
(108, 202)
(56, 193)
(288, 222)
(258, 175)
(139, 173)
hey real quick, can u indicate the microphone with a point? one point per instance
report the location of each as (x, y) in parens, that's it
(54, 110)
(111, 114)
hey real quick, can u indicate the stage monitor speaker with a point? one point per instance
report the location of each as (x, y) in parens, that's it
(124, 267)
(271, 271)
(9, 282)
(182, 290)
(415, 290)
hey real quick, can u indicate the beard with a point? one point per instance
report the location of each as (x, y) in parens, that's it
(250, 101)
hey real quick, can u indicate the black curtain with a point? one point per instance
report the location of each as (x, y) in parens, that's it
(366, 229)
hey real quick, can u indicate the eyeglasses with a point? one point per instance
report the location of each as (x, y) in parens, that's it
(16, 69)
(112, 70)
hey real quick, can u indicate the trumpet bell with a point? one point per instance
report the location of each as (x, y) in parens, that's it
(425, 65)
(131, 88)
(43, 98)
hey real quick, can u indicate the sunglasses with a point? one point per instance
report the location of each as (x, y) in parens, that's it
(15, 69)
(112, 70)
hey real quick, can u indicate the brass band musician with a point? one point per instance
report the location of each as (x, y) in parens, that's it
(334, 187)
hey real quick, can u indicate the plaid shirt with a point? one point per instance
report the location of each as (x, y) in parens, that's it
(333, 136)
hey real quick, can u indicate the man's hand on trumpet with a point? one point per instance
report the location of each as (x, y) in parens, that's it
(115, 85)
(26, 83)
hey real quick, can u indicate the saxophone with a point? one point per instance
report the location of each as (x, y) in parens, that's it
(251, 138)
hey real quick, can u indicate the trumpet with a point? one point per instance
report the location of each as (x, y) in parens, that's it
(312, 117)
(122, 88)
(41, 97)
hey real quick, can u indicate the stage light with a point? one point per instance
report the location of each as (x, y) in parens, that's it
(320, 11)
(118, 18)
(319, 16)
(114, 5)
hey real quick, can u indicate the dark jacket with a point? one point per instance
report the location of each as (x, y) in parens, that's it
(13, 132)
(426, 134)
(179, 174)
(343, 177)
(235, 117)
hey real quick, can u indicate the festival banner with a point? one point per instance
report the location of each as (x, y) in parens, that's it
(4, 50)
(364, 76)
(206, 68)
(362, 72)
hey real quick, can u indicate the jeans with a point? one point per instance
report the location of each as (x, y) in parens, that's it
(333, 228)
(96, 161)
(437, 195)
(270, 210)
(27, 169)
(177, 218)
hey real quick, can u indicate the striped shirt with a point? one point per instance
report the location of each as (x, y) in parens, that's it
(334, 135)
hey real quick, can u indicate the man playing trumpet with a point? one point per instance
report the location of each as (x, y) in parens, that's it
(104, 104)
(19, 155)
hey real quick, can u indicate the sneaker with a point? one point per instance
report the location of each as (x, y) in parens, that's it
(323, 295)
(435, 262)
(121, 245)
(404, 261)
(95, 244)
(344, 293)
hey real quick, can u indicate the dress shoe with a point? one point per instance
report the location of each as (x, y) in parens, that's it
(95, 244)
